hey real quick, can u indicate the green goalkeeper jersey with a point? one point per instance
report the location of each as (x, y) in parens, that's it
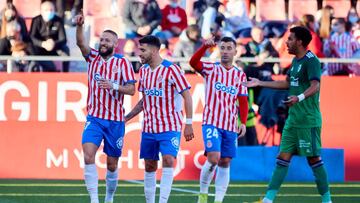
(304, 114)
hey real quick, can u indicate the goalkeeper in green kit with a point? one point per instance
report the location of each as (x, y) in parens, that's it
(301, 134)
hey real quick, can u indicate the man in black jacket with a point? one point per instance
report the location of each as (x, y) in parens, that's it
(48, 36)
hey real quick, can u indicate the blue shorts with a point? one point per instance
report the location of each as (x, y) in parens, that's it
(152, 143)
(219, 140)
(97, 129)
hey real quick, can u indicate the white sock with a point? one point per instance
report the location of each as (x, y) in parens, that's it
(206, 176)
(167, 178)
(150, 186)
(221, 183)
(91, 181)
(111, 184)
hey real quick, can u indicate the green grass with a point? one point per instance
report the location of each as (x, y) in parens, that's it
(56, 191)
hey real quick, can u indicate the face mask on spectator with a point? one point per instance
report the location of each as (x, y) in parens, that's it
(353, 19)
(173, 4)
(48, 15)
(335, 28)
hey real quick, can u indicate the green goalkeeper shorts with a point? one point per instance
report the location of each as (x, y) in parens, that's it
(301, 141)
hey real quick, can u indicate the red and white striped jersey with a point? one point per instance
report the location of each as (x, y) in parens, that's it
(345, 45)
(103, 103)
(161, 90)
(221, 92)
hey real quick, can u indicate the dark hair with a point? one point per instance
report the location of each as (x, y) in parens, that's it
(112, 32)
(150, 40)
(303, 34)
(341, 20)
(228, 39)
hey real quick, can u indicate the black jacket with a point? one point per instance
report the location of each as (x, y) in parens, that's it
(41, 31)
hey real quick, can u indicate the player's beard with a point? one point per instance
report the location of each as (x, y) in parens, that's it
(106, 53)
(145, 60)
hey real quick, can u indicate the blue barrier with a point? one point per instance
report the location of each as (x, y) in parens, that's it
(257, 164)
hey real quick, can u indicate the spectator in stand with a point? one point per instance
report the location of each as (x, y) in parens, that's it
(315, 44)
(260, 48)
(48, 36)
(12, 44)
(325, 16)
(174, 21)
(352, 16)
(61, 5)
(210, 16)
(340, 45)
(10, 15)
(356, 31)
(237, 21)
(199, 8)
(141, 17)
(190, 41)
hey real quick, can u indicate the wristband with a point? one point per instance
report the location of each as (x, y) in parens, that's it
(301, 97)
(188, 121)
(115, 86)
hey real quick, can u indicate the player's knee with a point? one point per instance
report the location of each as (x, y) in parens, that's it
(213, 160)
(112, 166)
(313, 160)
(168, 161)
(225, 163)
(150, 168)
(89, 158)
(285, 156)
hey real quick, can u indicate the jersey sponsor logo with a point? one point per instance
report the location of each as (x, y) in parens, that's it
(294, 81)
(228, 89)
(154, 92)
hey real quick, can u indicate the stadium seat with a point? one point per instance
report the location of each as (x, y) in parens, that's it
(341, 7)
(97, 8)
(270, 10)
(298, 8)
(28, 8)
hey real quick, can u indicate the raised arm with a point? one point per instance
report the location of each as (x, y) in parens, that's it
(195, 59)
(80, 41)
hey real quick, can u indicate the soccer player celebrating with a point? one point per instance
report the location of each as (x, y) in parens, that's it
(301, 134)
(220, 129)
(110, 76)
(162, 84)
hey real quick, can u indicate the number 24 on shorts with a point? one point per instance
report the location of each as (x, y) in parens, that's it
(212, 133)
